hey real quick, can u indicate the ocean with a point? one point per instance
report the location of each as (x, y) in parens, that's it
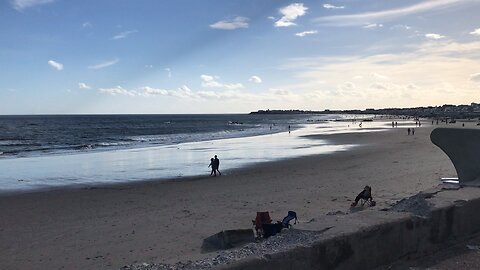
(42, 152)
(23, 136)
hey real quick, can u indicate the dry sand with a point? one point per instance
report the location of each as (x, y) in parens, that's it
(109, 227)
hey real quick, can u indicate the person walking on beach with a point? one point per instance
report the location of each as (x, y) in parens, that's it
(212, 164)
(413, 131)
(216, 165)
(408, 130)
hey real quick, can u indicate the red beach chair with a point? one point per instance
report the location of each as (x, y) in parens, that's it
(262, 218)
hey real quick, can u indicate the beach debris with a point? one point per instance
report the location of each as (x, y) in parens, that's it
(334, 213)
(473, 247)
(416, 204)
(279, 243)
(227, 239)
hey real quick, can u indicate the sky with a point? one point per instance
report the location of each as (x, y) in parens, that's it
(235, 56)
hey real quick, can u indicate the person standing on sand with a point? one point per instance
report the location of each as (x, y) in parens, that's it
(212, 164)
(408, 130)
(217, 165)
(413, 131)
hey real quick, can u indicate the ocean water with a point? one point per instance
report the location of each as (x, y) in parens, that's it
(24, 136)
(55, 151)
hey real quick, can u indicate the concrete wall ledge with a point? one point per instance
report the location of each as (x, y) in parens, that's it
(453, 218)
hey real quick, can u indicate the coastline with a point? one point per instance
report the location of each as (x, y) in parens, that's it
(111, 226)
(188, 159)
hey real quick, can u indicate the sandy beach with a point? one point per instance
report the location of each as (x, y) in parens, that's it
(112, 226)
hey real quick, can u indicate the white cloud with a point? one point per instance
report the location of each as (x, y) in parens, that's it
(235, 23)
(83, 86)
(304, 33)
(183, 92)
(475, 32)
(330, 6)
(104, 64)
(150, 91)
(55, 65)
(23, 4)
(279, 92)
(86, 25)
(118, 90)
(475, 77)
(290, 13)
(124, 34)
(434, 36)
(376, 75)
(271, 18)
(417, 77)
(388, 15)
(401, 26)
(169, 72)
(372, 25)
(211, 81)
(255, 79)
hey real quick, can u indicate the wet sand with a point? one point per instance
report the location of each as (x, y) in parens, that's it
(109, 227)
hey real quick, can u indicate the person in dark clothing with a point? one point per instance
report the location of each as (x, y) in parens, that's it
(217, 165)
(365, 195)
(212, 164)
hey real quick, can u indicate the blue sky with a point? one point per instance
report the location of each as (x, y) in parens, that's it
(217, 56)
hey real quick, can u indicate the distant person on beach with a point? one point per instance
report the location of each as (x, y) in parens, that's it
(288, 128)
(413, 131)
(408, 131)
(216, 163)
(212, 164)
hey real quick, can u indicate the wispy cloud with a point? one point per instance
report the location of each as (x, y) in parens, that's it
(147, 91)
(304, 33)
(124, 34)
(376, 75)
(434, 36)
(235, 23)
(56, 65)
(104, 64)
(391, 14)
(118, 90)
(413, 78)
(87, 25)
(23, 4)
(330, 6)
(255, 79)
(372, 25)
(83, 86)
(475, 32)
(475, 77)
(169, 72)
(212, 81)
(401, 26)
(290, 13)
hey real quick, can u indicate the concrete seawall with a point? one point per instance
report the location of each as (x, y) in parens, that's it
(382, 239)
